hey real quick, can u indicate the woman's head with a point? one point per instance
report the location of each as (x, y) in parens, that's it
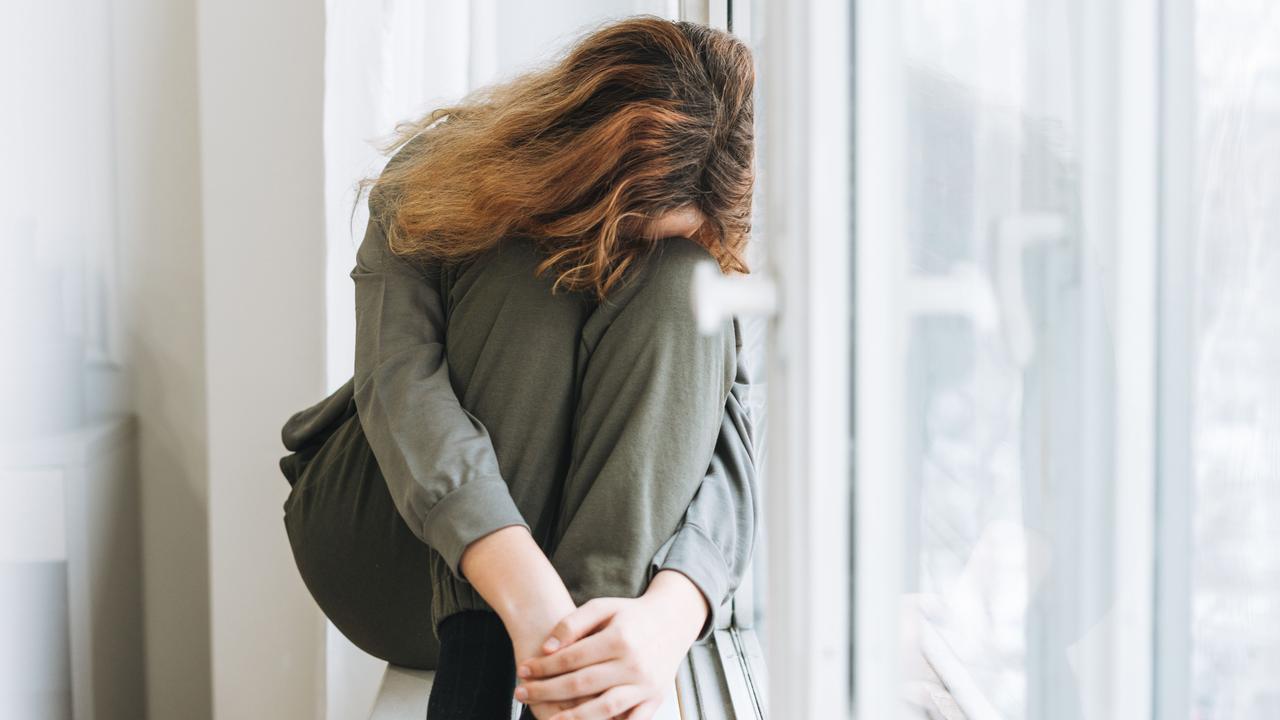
(642, 121)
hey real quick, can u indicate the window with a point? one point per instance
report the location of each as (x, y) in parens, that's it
(1235, 606)
(1063, 375)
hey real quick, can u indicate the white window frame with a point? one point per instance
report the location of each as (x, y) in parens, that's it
(880, 276)
(1136, 50)
(1176, 366)
(803, 287)
(804, 68)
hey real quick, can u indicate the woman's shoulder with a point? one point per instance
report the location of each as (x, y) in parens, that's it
(383, 188)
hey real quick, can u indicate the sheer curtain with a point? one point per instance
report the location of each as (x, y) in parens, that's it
(384, 62)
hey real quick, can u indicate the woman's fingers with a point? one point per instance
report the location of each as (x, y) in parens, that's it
(644, 711)
(543, 711)
(581, 622)
(590, 651)
(616, 701)
(577, 684)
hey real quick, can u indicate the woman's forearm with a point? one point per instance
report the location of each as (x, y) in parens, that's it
(680, 600)
(513, 575)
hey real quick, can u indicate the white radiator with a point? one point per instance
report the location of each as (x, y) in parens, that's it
(70, 577)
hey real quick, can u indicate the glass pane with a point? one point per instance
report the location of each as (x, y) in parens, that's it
(1236, 569)
(1008, 366)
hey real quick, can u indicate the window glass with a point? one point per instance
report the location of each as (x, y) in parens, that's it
(1008, 365)
(1236, 569)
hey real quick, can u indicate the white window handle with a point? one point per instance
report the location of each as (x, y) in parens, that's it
(963, 291)
(717, 297)
(1014, 234)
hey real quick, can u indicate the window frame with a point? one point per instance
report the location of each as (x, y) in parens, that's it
(879, 346)
(1175, 474)
(806, 101)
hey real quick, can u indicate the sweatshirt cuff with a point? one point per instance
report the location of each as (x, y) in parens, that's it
(466, 514)
(692, 553)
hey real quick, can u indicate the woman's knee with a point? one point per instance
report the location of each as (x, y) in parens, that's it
(664, 286)
(652, 315)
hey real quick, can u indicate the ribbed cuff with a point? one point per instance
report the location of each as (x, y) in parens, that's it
(466, 514)
(692, 553)
(450, 595)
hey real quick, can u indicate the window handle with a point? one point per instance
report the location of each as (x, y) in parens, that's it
(963, 291)
(1014, 234)
(718, 297)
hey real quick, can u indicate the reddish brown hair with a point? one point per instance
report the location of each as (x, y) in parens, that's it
(638, 118)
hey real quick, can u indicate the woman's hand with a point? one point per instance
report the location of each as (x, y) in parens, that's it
(512, 574)
(617, 656)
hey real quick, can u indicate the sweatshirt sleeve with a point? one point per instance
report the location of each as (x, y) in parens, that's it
(438, 460)
(714, 542)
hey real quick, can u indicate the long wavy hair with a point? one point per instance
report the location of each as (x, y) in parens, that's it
(639, 117)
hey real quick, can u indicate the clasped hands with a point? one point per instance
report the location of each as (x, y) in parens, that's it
(614, 657)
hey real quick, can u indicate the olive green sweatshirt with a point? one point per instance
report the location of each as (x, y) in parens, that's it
(442, 470)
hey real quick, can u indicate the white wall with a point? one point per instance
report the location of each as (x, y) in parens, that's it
(157, 147)
(261, 71)
(102, 311)
(57, 209)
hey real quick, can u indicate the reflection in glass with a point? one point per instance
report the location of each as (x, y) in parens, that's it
(1236, 567)
(1008, 364)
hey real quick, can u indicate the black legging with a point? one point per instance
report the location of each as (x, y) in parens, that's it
(477, 674)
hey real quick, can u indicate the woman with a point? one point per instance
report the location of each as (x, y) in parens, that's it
(539, 459)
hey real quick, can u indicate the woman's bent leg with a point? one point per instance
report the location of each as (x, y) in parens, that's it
(653, 393)
(511, 348)
(360, 561)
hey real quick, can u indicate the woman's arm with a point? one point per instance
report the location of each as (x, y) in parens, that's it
(529, 608)
(706, 558)
(437, 458)
(715, 540)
